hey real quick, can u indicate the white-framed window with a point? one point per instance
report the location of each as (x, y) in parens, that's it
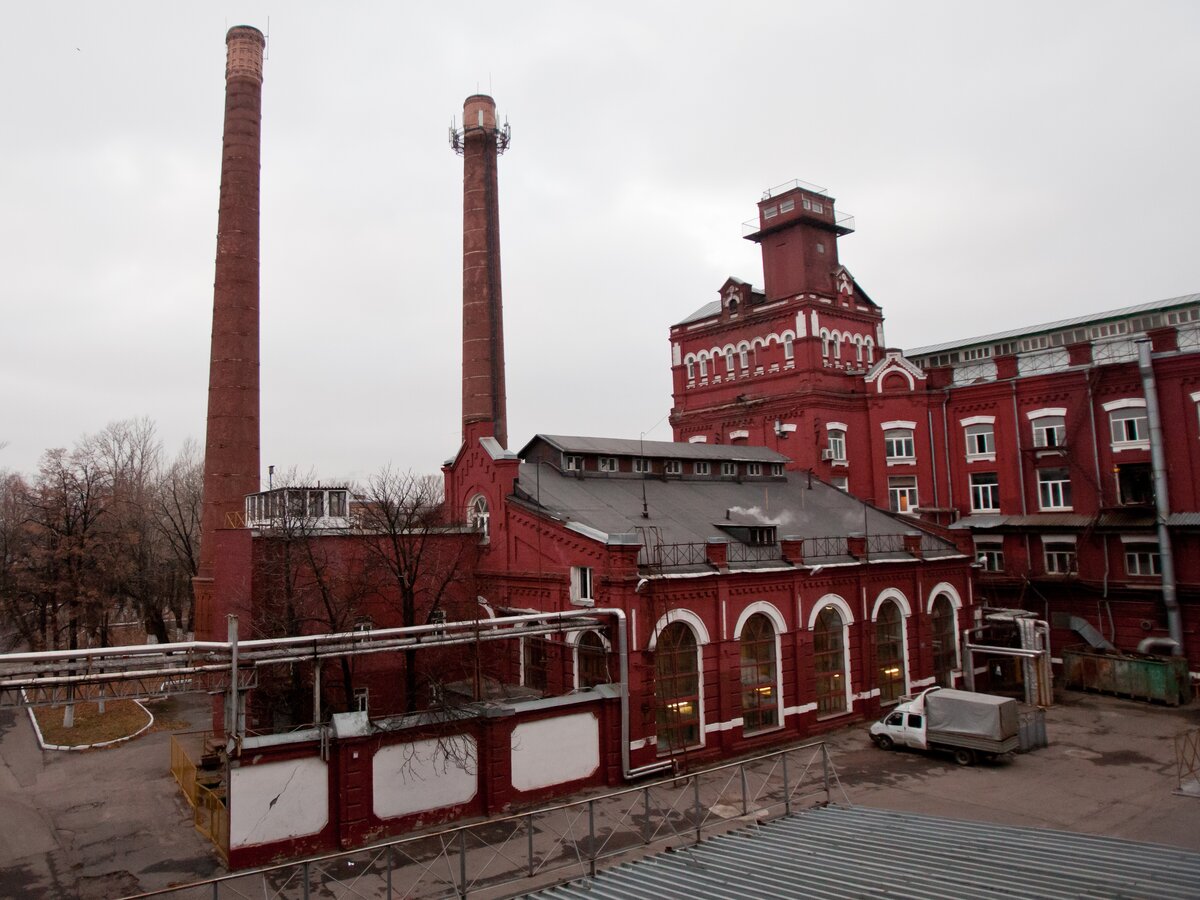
(788, 349)
(641, 466)
(841, 482)
(608, 463)
(572, 462)
(701, 468)
(581, 586)
(985, 492)
(898, 444)
(753, 468)
(729, 360)
(990, 554)
(981, 441)
(362, 699)
(1128, 424)
(1058, 554)
(1142, 558)
(673, 467)
(691, 370)
(703, 360)
(478, 515)
(1054, 488)
(744, 358)
(837, 444)
(1049, 427)
(728, 468)
(776, 469)
(902, 493)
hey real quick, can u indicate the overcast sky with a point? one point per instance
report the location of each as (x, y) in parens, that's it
(1007, 164)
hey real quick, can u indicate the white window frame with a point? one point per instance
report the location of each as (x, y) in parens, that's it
(836, 438)
(572, 462)
(841, 482)
(789, 352)
(1145, 554)
(1050, 497)
(641, 466)
(608, 464)
(582, 586)
(989, 552)
(1059, 561)
(701, 468)
(672, 467)
(753, 468)
(729, 469)
(1122, 414)
(903, 499)
(1040, 429)
(978, 491)
(979, 435)
(899, 443)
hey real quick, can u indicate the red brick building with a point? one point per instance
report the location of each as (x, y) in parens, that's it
(1037, 442)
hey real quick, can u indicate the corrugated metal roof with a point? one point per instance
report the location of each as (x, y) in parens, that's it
(657, 449)
(840, 852)
(704, 312)
(1153, 306)
(1184, 520)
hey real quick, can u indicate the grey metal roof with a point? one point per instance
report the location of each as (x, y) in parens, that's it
(657, 449)
(704, 312)
(1184, 520)
(1035, 521)
(1153, 306)
(692, 510)
(840, 852)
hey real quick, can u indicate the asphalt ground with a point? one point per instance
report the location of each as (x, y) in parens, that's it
(112, 822)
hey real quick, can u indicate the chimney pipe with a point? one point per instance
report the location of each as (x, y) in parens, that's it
(480, 142)
(232, 439)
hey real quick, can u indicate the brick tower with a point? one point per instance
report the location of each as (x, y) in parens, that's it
(480, 142)
(231, 465)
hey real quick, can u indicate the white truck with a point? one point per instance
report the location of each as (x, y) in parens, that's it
(968, 725)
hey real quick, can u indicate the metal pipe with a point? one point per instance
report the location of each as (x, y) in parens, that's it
(1096, 465)
(1162, 499)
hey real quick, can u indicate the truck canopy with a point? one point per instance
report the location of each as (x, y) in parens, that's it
(964, 712)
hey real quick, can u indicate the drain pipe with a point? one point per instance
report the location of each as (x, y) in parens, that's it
(623, 658)
(1162, 500)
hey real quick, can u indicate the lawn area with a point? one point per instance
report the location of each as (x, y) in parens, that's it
(121, 718)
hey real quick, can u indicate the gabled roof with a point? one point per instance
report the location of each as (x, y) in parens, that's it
(655, 449)
(693, 510)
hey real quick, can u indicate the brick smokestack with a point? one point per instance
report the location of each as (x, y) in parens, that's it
(231, 464)
(481, 142)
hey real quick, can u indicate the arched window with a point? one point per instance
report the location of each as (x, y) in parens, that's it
(760, 682)
(889, 652)
(591, 660)
(677, 685)
(945, 640)
(729, 359)
(788, 350)
(703, 360)
(829, 661)
(477, 514)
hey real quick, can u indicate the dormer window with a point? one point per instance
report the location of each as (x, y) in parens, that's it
(641, 466)
(728, 469)
(754, 468)
(608, 464)
(701, 468)
(673, 467)
(572, 463)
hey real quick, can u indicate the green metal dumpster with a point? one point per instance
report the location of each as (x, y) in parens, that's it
(1138, 675)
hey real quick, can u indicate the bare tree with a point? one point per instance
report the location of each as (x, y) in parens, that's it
(20, 608)
(425, 562)
(177, 503)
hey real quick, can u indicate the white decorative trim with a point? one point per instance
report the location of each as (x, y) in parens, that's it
(830, 600)
(944, 587)
(698, 439)
(1195, 397)
(1139, 539)
(787, 427)
(676, 358)
(891, 594)
(680, 615)
(977, 420)
(767, 609)
(1060, 411)
(741, 433)
(836, 426)
(898, 423)
(1127, 403)
(1058, 539)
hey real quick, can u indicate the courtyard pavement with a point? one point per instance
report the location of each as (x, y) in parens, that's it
(112, 822)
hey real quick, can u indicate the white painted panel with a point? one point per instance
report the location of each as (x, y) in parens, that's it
(277, 801)
(554, 751)
(413, 778)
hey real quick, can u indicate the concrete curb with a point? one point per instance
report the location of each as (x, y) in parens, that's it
(129, 737)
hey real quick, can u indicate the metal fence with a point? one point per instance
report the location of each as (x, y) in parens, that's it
(752, 552)
(552, 844)
(821, 547)
(885, 543)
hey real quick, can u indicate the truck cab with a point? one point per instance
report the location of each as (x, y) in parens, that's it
(901, 727)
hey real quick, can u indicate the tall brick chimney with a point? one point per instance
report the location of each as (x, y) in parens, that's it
(481, 142)
(231, 464)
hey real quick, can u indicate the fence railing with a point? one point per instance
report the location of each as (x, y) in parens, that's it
(673, 555)
(211, 817)
(824, 547)
(552, 844)
(885, 543)
(752, 552)
(183, 769)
